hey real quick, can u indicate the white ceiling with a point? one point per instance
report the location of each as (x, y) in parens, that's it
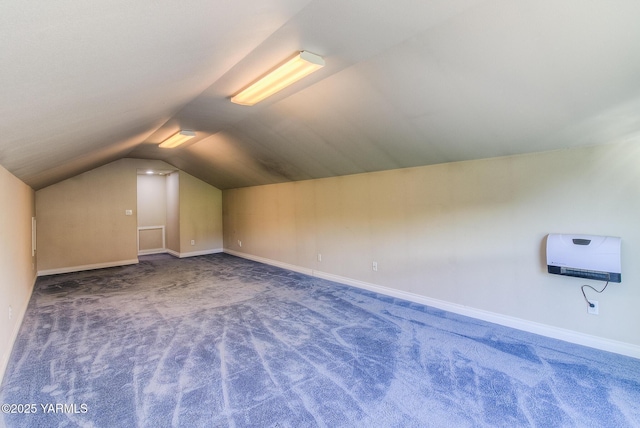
(407, 83)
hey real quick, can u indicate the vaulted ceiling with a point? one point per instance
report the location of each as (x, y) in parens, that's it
(407, 83)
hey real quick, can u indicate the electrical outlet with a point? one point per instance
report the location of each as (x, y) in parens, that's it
(374, 266)
(595, 308)
(239, 243)
(193, 242)
(10, 312)
(319, 257)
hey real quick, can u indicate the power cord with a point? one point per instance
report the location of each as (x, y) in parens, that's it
(591, 305)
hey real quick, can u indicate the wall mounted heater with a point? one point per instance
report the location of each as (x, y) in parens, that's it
(584, 256)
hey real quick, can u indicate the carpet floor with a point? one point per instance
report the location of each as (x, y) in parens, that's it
(217, 341)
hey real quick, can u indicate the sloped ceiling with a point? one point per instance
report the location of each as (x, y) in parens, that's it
(407, 83)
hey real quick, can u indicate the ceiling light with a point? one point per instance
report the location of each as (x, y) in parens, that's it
(291, 71)
(149, 172)
(176, 139)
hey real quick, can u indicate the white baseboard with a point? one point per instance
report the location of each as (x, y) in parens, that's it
(153, 251)
(194, 253)
(276, 263)
(19, 313)
(87, 267)
(566, 335)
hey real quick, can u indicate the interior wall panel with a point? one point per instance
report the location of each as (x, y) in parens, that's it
(469, 233)
(200, 206)
(83, 221)
(17, 259)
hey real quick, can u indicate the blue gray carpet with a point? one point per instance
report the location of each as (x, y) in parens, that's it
(219, 341)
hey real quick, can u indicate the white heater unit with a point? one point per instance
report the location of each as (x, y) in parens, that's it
(584, 256)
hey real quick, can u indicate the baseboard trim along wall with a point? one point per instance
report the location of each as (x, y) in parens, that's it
(505, 320)
(276, 263)
(194, 253)
(87, 267)
(154, 251)
(19, 313)
(125, 262)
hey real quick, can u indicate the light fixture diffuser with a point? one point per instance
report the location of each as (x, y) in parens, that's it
(176, 139)
(291, 71)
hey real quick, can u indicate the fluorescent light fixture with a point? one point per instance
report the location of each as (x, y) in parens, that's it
(176, 139)
(291, 71)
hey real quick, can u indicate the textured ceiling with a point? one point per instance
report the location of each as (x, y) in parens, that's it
(407, 83)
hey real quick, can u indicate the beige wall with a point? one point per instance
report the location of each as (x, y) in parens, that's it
(469, 233)
(82, 221)
(152, 212)
(173, 212)
(152, 200)
(200, 215)
(17, 265)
